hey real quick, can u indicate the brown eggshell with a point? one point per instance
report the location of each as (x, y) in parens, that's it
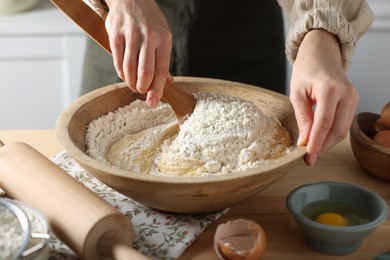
(383, 138)
(385, 115)
(239, 239)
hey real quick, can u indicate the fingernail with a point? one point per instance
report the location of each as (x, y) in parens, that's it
(152, 102)
(301, 140)
(313, 159)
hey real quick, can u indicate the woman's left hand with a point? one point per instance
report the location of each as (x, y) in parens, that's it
(318, 79)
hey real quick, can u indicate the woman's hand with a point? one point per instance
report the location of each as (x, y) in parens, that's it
(319, 79)
(141, 43)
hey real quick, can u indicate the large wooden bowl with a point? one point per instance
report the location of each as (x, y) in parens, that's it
(373, 157)
(178, 194)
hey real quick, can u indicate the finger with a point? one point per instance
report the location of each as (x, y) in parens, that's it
(130, 62)
(117, 42)
(303, 114)
(146, 65)
(153, 97)
(117, 45)
(342, 122)
(161, 75)
(170, 78)
(323, 121)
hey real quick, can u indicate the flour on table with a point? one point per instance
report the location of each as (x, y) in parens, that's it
(224, 134)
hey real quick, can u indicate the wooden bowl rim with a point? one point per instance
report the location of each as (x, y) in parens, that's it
(66, 116)
(360, 136)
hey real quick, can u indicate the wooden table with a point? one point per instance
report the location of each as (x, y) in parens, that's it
(285, 240)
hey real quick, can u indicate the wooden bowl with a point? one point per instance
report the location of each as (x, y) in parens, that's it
(178, 194)
(373, 157)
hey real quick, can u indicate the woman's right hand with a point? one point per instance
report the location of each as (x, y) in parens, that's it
(141, 43)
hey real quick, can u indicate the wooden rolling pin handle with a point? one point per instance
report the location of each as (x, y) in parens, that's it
(108, 245)
(124, 252)
(76, 215)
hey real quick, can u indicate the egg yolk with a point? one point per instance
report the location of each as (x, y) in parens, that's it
(331, 218)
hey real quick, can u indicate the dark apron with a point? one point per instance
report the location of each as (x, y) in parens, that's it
(238, 40)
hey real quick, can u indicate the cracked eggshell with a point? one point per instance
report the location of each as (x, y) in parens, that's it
(239, 239)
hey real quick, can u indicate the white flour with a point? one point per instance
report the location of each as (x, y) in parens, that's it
(107, 130)
(224, 134)
(11, 232)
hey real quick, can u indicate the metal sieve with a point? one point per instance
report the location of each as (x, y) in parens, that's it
(23, 221)
(22, 211)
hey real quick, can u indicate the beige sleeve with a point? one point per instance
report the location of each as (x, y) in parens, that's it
(99, 6)
(348, 19)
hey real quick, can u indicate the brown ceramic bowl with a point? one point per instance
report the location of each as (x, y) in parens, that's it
(373, 157)
(176, 194)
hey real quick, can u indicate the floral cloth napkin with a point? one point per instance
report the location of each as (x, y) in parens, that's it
(158, 234)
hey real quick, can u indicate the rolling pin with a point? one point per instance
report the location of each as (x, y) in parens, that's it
(90, 226)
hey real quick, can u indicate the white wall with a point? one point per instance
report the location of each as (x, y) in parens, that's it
(41, 58)
(370, 70)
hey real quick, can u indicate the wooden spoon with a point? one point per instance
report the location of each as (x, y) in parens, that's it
(182, 103)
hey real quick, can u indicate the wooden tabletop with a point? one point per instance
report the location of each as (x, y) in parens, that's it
(285, 240)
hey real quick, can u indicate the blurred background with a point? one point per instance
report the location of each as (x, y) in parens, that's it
(42, 53)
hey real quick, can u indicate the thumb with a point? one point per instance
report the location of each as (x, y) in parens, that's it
(170, 78)
(154, 95)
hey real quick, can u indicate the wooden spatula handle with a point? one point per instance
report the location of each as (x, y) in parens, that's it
(187, 102)
(76, 215)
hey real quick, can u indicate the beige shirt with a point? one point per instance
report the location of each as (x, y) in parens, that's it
(348, 19)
